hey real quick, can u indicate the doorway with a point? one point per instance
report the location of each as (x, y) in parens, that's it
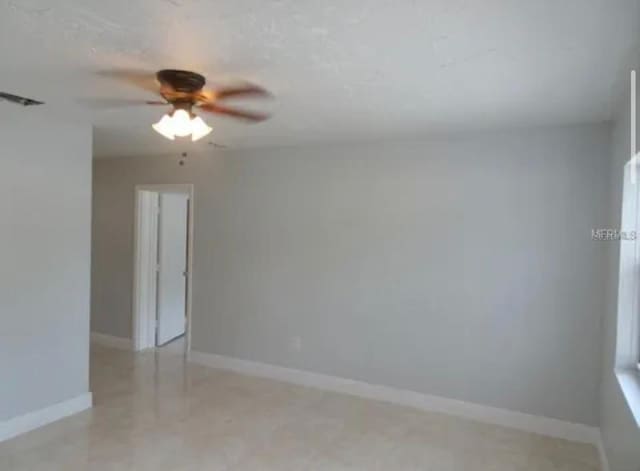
(163, 254)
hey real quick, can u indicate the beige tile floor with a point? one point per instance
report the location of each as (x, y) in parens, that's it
(154, 412)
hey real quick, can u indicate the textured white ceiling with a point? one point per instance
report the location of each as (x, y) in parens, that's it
(341, 70)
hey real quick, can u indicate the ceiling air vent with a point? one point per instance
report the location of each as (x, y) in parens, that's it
(19, 100)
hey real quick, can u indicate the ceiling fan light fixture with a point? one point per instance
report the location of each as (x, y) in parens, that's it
(184, 91)
(181, 123)
(199, 128)
(165, 127)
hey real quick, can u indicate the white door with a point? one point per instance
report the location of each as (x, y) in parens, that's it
(172, 261)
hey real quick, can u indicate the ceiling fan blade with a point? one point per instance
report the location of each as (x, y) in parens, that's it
(138, 78)
(235, 113)
(109, 103)
(245, 90)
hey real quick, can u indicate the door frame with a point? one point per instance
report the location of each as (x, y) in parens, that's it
(145, 243)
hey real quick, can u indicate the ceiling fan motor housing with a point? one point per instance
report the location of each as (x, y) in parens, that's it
(184, 82)
(181, 80)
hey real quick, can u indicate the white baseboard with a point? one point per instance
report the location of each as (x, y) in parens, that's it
(517, 420)
(33, 420)
(105, 340)
(604, 461)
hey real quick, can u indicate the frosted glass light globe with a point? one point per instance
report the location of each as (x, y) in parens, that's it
(181, 123)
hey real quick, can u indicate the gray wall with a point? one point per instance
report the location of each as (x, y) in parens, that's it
(45, 203)
(457, 267)
(621, 434)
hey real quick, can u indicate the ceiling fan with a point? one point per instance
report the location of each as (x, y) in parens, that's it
(184, 91)
(19, 100)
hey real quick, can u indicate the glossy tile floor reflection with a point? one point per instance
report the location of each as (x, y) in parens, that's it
(154, 412)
